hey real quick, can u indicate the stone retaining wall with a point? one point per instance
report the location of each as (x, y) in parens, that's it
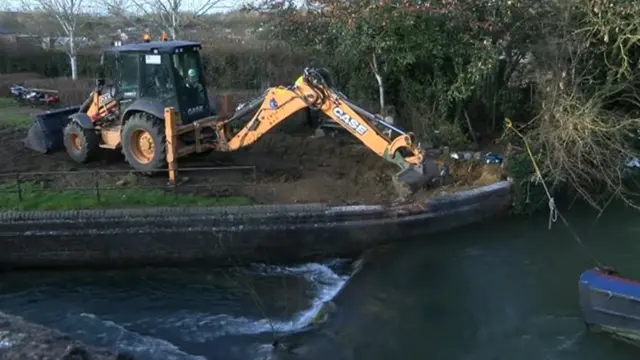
(230, 235)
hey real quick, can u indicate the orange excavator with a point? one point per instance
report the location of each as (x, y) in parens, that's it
(313, 90)
(155, 109)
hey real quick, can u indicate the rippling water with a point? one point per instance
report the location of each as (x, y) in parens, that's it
(502, 290)
(177, 314)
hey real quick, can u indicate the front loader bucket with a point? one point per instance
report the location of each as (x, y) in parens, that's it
(45, 135)
(412, 179)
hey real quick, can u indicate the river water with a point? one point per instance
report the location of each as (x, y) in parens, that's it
(505, 289)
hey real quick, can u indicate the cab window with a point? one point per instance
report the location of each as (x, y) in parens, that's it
(109, 68)
(183, 62)
(157, 80)
(186, 65)
(128, 66)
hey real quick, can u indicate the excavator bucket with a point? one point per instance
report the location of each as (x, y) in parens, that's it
(410, 180)
(45, 135)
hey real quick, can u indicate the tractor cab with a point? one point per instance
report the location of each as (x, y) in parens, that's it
(153, 75)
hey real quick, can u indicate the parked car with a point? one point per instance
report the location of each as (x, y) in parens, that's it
(34, 97)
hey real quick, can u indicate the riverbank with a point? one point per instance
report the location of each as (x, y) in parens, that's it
(37, 196)
(230, 236)
(290, 197)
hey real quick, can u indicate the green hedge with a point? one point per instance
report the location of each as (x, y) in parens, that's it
(226, 66)
(46, 63)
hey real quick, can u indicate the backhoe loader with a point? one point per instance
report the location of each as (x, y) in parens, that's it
(151, 102)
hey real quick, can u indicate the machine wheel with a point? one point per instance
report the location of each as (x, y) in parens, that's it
(144, 143)
(81, 145)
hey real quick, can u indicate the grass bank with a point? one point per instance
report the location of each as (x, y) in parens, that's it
(33, 196)
(15, 116)
(6, 102)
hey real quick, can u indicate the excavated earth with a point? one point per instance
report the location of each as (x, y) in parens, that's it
(288, 169)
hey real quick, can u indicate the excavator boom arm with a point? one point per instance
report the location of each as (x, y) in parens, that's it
(277, 105)
(311, 90)
(280, 103)
(401, 150)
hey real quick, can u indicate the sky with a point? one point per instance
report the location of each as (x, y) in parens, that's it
(222, 5)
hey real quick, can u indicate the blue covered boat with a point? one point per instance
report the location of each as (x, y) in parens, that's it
(611, 304)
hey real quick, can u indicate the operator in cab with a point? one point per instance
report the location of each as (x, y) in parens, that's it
(194, 85)
(193, 80)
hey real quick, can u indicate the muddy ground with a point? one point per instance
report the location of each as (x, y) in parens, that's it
(289, 168)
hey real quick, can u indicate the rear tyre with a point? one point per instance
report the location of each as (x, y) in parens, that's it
(144, 144)
(82, 145)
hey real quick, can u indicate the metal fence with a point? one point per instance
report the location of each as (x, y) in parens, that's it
(103, 181)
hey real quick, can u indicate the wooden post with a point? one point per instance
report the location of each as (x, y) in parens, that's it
(170, 129)
(225, 103)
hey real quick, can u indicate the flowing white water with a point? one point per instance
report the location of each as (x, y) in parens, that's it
(205, 327)
(326, 285)
(116, 336)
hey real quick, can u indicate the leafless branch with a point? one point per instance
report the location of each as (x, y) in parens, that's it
(587, 124)
(174, 15)
(119, 13)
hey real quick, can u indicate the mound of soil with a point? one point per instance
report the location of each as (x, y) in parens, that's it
(338, 170)
(288, 169)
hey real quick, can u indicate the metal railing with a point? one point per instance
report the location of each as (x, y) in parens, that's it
(101, 181)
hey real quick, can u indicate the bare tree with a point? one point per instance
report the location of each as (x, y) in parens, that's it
(69, 16)
(120, 14)
(173, 15)
(118, 8)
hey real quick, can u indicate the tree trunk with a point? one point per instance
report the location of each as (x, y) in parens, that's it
(381, 94)
(376, 73)
(73, 57)
(175, 26)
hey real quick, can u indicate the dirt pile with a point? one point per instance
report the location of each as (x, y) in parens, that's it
(305, 169)
(464, 175)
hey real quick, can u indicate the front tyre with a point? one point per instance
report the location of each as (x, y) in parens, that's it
(144, 144)
(81, 144)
